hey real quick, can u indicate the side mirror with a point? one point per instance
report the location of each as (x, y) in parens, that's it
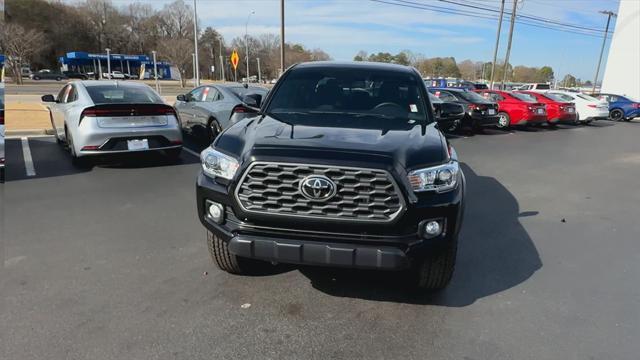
(181, 97)
(48, 98)
(252, 100)
(450, 111)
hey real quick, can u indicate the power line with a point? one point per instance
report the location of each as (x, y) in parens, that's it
(527, 16)
(414, 5)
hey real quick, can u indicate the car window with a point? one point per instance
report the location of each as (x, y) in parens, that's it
(613, 98)
(542, 86)
(72, 95)
(118, 94)
(62, 94)
(471, 96)
(241, 91)
(560, 97)
(353, 94)
(525, 97)
(445, 96)
(211, 94)
(587, 97)
(492, 96)
(196, 94)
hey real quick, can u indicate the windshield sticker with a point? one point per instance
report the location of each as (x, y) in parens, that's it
(413, 108)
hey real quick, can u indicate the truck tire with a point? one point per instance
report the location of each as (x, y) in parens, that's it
(219, 251)
(435, 271)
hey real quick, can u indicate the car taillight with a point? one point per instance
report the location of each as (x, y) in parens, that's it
(592, 106)
(636, 105)
(120, 110)
(239, 109)
(2, 118)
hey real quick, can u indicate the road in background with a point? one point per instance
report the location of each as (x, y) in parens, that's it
(111, 263)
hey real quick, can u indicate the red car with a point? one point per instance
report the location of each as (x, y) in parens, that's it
(516, 109)
(557, 111)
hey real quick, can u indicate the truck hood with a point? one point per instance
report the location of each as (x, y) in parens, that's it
(391, 143)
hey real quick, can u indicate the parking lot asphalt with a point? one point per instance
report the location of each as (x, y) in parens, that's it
(111, 263)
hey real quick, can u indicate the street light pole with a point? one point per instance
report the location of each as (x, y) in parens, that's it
(259, 73)
(108, 63)
(195, 42)
(604, 41)
(495, 50)
(281, 36)
(246, 41)
(506, 59)
(155, 71)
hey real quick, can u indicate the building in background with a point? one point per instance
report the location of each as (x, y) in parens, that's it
(127, 64)
(622, 74)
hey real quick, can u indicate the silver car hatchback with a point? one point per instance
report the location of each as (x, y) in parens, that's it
(110, 117)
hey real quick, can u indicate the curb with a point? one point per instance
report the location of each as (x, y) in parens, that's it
(27, 132)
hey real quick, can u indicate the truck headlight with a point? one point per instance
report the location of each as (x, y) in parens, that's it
(439, 178)
(217, 164)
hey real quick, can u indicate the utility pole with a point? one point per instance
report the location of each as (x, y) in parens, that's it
(495, 50)
(281, 36)
(506, 59)
(604, 41)
(195, 42)
(221, 59)
(212, 72)
(246, 41)
(259, 73)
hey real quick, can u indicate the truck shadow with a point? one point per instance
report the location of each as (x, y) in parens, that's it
(495, 253)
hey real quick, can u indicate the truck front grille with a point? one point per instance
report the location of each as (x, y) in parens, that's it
(361, 194)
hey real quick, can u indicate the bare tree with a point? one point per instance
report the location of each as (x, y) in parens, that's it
(178, 52)
(20, 46)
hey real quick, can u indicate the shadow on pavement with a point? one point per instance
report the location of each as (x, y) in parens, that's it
(52, 160)
(495, 254)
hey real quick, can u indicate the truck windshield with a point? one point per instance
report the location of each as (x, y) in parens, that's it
(350, 94)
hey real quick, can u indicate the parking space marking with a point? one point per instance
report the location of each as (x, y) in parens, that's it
(191, 152)
(26, 154)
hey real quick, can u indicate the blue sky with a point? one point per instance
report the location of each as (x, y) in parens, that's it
(343, 27)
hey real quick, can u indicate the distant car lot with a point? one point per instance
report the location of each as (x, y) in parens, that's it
(121, 246)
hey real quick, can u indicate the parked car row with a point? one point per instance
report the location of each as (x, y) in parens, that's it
(504, 109)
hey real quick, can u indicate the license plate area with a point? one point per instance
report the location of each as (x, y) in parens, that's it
(491, 111)
(138, 144)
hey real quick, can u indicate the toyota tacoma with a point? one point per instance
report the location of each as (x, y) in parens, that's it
(343, 166)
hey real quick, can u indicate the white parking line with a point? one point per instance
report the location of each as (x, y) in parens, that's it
(26, 154)
(191, 152)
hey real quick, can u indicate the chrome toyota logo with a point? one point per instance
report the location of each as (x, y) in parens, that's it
(316, 187)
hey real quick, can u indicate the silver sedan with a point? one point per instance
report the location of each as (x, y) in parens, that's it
(108, 117)
(206, 110)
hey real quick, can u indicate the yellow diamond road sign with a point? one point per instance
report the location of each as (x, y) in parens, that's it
(235, 59)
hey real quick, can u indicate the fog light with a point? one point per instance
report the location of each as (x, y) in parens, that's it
(432, 229)
(215, 211)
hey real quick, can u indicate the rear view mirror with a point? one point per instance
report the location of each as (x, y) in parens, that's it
(181, 97)
(252, 100)
(48, 98)
(449, 111)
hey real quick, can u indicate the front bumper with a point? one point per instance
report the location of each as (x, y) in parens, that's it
(326, 242)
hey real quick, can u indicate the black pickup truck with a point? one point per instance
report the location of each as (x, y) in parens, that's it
(343, 166)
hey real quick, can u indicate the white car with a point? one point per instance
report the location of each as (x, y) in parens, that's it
(588, 108)
(116, 75)
(95, 117)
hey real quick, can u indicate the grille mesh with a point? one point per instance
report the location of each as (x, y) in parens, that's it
(362, 194)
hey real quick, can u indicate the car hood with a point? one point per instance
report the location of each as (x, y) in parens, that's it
(405, 145)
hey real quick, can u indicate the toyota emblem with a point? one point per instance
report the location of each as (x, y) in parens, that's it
(317, 187)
